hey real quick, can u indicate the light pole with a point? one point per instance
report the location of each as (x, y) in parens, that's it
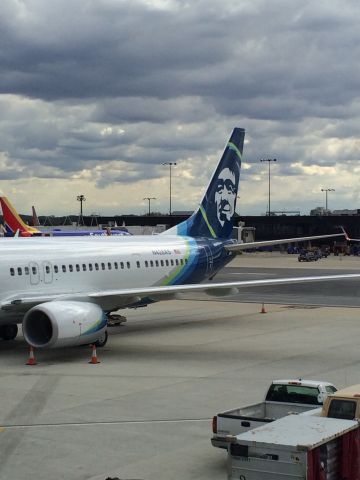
(269, 160)
(326, 190)
(170, 165)
(149, 200)
(81, 199)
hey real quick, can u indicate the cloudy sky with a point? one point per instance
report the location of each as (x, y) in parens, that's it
(96, 94)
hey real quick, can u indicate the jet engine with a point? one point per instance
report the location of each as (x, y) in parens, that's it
(64, 323)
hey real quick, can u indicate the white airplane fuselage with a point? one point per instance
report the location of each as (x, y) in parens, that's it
(45, 266)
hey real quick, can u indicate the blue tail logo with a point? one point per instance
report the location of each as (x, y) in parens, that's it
(214, 217)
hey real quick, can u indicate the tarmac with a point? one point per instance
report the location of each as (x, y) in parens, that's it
(145, 411)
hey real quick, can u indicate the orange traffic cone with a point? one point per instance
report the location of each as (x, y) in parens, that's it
(31, 359)
(263, 309)
(94, 358)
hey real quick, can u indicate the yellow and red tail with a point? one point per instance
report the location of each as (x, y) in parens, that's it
(13, 222)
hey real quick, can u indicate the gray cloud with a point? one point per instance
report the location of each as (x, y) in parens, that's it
(143, 83)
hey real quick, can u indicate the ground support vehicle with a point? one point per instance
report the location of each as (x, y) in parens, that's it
(309, 257)
(297, 447)
(283, 397)
(343, 404)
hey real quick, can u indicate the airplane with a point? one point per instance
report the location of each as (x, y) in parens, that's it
(14, 223)
(62, 291)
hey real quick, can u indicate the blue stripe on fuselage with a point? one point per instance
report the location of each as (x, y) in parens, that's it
(204, 258)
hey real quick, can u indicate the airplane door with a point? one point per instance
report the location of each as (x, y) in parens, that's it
(34, 273)
(209, 260)
(47, 272)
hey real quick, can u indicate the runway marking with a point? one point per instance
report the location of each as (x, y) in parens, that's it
(115, 422)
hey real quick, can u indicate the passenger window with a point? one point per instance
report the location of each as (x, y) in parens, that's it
(96, 266)
(185, 260)
(151, 263)
(156, 263)
(63, 268)
(12, 272)
(34, 270)
(172, 262)
(56, 268)
(122, 265)
(162, 263)
(181, 261)
(26, 270)
(116, 265)
(103, 266)
(167, 263)
(138, 264)
(109, 265)
(177, 262)
(47, 269)
(84, 267)
(71, 268)
(90, 267)
(77, 267)
(128, 264)
(19, 271)
(146, 263)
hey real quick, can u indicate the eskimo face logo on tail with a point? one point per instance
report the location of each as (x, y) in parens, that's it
(225, 195)
(222, 194)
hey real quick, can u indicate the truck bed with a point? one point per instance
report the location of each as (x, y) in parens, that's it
(266, 411)
(239, 420)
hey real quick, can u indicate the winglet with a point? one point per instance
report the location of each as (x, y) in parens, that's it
(346, 235)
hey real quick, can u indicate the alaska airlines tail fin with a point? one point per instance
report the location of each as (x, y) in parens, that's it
(214, 217)
(13, 221)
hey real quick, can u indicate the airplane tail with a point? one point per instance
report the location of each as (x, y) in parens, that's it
(12, 220)
(35, 219)
(214, 217)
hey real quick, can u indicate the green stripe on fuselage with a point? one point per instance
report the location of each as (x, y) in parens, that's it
(169, 280)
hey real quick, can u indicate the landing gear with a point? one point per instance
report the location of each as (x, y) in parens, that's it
(115, 320)
(8, 332)
(101, 341)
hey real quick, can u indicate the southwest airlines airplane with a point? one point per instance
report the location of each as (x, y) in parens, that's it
(62, 290)
(14, 225)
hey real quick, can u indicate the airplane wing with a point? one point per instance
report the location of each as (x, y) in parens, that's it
(239, 247)
(121, 298)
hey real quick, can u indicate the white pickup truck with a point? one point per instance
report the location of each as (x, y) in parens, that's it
(283, 397)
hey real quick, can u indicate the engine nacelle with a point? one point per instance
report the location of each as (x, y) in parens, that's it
(63, 323)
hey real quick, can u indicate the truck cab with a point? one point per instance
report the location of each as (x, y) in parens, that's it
(344, 404)
(309, 392)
